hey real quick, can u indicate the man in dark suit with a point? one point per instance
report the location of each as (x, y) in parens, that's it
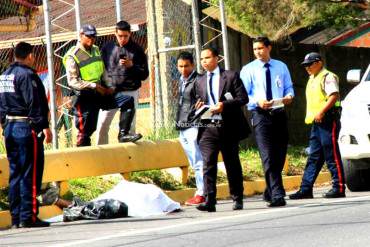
(223, 91)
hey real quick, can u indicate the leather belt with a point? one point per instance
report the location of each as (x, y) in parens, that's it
(17, 119)
(271, 112)
(212, 121)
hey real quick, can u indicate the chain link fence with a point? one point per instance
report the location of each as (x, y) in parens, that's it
(174, 29)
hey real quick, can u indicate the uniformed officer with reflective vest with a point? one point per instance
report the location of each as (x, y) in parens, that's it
(24, 117)
(85, 68)
(323, 112)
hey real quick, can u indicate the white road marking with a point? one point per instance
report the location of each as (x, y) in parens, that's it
(196, 222)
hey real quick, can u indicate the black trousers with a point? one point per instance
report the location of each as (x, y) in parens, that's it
(86, 110)
(212, 141)
(271, 134)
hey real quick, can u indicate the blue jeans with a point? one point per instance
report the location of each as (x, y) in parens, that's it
(25, 152)
(324, 148)
(188, 140)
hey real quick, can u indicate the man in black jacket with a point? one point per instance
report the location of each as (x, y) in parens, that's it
(188, 130)
(224, 93)
(126, 66)
(24, 117)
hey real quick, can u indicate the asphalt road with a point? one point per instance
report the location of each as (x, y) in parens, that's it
(312, 222)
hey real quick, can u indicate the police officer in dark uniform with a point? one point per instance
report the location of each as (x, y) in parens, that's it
(24, 118)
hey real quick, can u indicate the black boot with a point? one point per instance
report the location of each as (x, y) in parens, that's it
(125, 121)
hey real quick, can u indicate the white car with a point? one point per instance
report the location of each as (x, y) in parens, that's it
(354, 136)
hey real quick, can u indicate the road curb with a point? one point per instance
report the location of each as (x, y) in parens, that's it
(250, 188)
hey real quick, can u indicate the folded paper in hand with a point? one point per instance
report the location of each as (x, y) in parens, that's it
(277, 103)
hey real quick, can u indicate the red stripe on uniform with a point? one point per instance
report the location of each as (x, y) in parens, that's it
(34, 192)
(340, 175)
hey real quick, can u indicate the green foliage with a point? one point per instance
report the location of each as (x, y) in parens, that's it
(160, 178)
(91, 187)
(276, 19)
(4, 204)
(252, 165)
(162, 134)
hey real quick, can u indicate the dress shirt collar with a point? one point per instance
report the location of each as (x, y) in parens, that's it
(186, 79)
(262, 63)
(216, 71)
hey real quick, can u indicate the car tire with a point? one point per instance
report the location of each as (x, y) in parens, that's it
(356, 179)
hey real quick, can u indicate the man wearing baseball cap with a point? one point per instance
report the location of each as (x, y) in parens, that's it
(85, 68)
(323, 112)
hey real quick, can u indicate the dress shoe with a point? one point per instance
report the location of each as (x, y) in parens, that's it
(238, 205)
(31, 224)
(277, 202)
(334, 194)
(206, 207)
(301, 195)
(129, 138)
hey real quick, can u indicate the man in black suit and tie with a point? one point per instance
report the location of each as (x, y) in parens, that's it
(224, 92)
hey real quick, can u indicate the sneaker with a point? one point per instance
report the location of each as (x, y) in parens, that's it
(301, 195)
(129, 138)
(334, 194)
(196, 200)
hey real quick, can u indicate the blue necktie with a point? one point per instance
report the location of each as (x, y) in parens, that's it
(268, 82)
(210, 88)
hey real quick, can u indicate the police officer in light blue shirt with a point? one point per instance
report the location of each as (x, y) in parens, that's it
(269, 87)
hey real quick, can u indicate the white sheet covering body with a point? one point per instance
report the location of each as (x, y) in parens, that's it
(142, 199)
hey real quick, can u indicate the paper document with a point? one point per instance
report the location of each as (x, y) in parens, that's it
(277, 103)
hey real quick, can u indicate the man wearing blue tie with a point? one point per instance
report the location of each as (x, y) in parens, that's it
(269, 87)
(224, 93)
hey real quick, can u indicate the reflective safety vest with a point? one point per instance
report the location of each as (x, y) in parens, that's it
(90, 64)
(316, 96)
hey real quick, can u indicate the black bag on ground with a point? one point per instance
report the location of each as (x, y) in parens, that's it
(102, 209)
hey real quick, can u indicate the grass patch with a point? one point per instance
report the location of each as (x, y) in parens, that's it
(252, 165)
(160, 178)
(91, 187)
(162, 134)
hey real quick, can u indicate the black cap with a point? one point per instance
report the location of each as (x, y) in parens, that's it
(89, 30)
(310, 58)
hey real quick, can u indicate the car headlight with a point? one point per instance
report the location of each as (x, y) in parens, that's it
(348, 139)
(345, 139)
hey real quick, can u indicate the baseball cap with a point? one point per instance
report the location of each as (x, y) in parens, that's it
(89, 30)
(310, 58)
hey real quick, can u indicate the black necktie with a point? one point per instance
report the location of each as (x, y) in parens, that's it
(210, 88)
(268, 82)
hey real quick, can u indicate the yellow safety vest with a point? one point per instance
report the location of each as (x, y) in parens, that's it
(91, 65)
(316, 96)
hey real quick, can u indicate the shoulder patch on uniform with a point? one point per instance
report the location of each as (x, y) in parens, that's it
(329, 79)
